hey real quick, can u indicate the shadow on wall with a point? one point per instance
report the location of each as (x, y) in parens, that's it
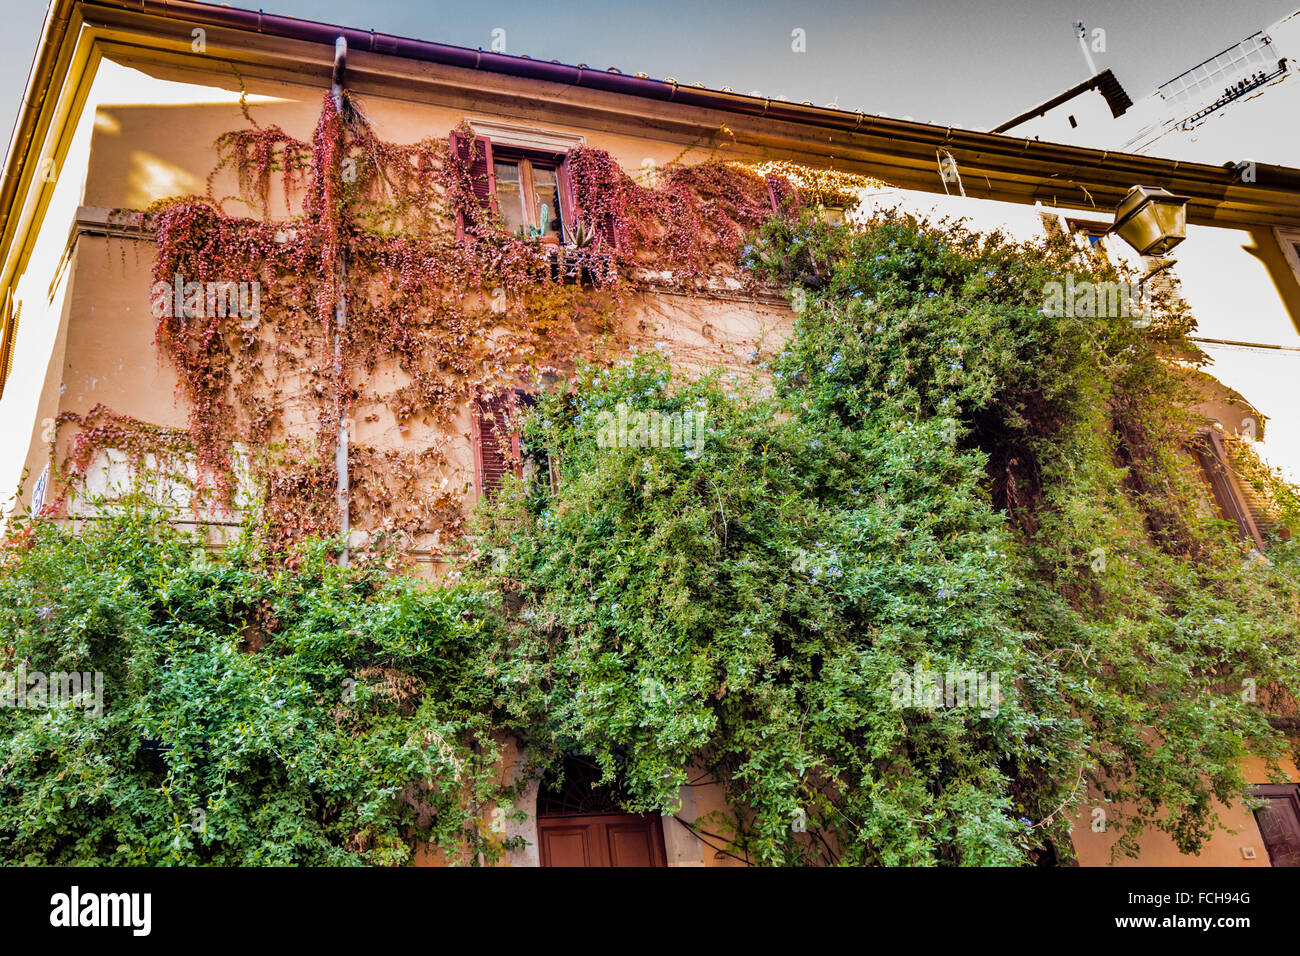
(140, 154)
(1266, 247)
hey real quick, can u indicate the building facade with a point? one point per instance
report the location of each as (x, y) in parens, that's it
(131, 105)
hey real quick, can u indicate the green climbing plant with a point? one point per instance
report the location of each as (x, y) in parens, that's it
(944, 476)
(250, 715)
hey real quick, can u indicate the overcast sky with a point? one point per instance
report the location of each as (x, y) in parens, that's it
(959, 62)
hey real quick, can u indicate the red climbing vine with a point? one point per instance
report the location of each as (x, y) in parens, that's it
(434, 314)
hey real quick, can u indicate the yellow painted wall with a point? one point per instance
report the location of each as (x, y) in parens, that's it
(1157, 849)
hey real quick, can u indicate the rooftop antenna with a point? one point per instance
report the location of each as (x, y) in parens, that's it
(1083, 45)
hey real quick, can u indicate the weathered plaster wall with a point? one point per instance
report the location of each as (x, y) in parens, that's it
(152, 138)
(155, 141)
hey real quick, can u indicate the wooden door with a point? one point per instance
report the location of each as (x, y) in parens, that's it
(1279, 823)
(621, 839)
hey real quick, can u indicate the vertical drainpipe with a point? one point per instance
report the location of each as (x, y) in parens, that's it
(340, 323)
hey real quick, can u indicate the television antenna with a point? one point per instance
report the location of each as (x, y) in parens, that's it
(1082, 31)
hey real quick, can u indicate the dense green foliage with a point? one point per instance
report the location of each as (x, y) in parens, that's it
(935, 474)
(752, 604)
(947, 476)
(251, 716)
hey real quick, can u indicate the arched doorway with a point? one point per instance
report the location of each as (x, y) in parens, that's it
(581, 824)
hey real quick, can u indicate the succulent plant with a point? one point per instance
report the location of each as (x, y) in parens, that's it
(582, 235)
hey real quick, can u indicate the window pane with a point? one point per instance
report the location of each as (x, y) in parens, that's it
(510, 199)
(546, 186)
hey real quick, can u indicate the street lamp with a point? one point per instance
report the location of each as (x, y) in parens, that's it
(1151, 220)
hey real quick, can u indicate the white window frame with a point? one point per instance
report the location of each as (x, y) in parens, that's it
(1289, 240)
(526, 137)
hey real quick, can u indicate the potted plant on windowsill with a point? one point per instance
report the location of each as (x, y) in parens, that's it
(577, 255)
(580, 237)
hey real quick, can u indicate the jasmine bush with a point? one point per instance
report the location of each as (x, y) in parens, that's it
(252, 715)
(947, 476)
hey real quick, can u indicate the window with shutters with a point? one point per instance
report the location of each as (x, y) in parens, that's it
(497, 451)
(1093, 233)
(527, 189)
(1224, 487)
(499, 448)
(528, 195)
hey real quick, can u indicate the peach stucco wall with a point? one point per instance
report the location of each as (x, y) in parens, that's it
(153, 137)
(1157, 849)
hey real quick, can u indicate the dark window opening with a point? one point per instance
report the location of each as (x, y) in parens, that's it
(575, 789)
(1094, 232)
